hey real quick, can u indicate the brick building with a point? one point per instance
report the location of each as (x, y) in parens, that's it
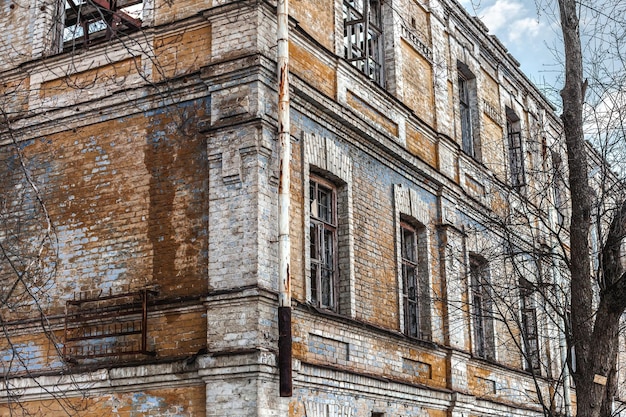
(139, 221)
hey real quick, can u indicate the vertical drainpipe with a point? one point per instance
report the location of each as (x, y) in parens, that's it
(284, 249)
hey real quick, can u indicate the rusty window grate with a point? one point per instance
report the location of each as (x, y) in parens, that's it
(106, 325)
(91, 21)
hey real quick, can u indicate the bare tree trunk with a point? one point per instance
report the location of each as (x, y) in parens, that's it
(588, 399)
(594, 333)
(611, 386)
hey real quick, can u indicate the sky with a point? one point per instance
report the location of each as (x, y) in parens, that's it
(528, 29)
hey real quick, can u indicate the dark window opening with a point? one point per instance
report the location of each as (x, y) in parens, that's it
(481, 308)
(363, 37)
(415, 286)
(467, 110)
(92, 21)
(530, 333)
(516, 151)
(323, 243)
(558, 187)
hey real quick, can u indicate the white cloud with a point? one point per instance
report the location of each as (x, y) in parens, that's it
(511, 21)
(524, 29)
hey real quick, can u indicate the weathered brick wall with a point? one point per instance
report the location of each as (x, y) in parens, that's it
(418, 83)
(183, 402)
(127, 199)
(142, 198)
(129, 187)
(308, 65)
(182, 52)
(16, 44)
(423, 146)
(170, 11)
(317, 18)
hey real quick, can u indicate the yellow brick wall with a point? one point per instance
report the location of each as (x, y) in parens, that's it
(14, 96)
(184, 402)
(37, 352)
(492, 146)
(317, 18)
(92, 79)
(297, 224)
(169, 11)
(181, 53)
(132, 187)
(421, 146)
(416, 17)
(306, 65)
(371, 113)
(189, 328)
(490, 89)
(418, 84)
(375, 262)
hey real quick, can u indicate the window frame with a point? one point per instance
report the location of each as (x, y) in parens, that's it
(319, 229)
(529, 327)
(363, 37)
(481, 311)
(465, 112)
(466, 84)
(416, 321)
(515, 146)
(558, 189)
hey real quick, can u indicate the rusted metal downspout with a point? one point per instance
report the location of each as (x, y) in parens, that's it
(284, 249)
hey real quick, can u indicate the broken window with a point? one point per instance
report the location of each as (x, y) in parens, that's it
(481, 308)
(558, 186)
(414, 284)
(90, 21)
(529, 326)
(467, 99)
(323, 242)
(516, 151)
(363, 37)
